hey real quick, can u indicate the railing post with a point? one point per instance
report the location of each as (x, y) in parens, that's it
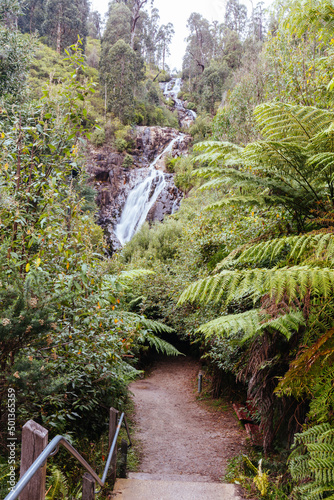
(124, 458)
(200, 382)
(112, 431)
(34, 440)
(88, 487)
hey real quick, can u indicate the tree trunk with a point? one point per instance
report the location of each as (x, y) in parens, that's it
(135, 17)
(59, 37)
(163, 57)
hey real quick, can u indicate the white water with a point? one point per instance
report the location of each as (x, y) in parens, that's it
(173, 93)
(141, 199)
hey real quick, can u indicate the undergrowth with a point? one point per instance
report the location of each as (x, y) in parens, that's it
(260, 477)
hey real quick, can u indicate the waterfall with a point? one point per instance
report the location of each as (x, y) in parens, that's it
(142, 198)
(173, 93)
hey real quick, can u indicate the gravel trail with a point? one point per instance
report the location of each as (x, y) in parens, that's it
(178, 434)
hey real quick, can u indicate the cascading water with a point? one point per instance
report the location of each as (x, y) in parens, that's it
(173, 93)
(141, 199)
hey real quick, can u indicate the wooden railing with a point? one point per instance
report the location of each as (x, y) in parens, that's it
(35, 451)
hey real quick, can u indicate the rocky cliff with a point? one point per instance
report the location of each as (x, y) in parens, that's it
(114, 182)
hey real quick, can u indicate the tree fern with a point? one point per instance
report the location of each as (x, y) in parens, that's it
(215, 151)
(251, 323)
(292, 282)
(312, 461)
(232, 324)
(161, 345)
(293, 249)
(147, 327)
(291, 123)
(150, 324)
(292, 166)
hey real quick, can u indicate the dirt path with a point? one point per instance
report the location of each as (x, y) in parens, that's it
(179, 435)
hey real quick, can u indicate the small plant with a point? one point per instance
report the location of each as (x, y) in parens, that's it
(271, 484)
(98, 137)
(127, 162)
(57, 487)
(192, 106)
(120, 145)
(170, 163)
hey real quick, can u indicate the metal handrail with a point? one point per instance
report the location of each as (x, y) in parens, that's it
(52, 448)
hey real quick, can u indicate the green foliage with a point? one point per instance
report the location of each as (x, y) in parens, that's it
(56, 485)
(170, 163)
(311, 463)
(127, 162)
(292, 163)
(64, 23)
(15, 56)
(184, 179)
(201, 128)
(93, 52)
(121, 70)
(247, 471)
(120, 145)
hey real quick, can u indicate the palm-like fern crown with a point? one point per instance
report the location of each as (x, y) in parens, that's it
(293, 166)
(289, 269)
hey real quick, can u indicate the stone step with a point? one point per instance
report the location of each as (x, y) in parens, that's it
(149, 489)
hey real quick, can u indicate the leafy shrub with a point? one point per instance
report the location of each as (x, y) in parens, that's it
(121, 145)
(183, 168)
(164, 76)
(124, 138)
(170, 163)
(201, 128)
(127, 162)
(98, 137)
(192, 106)
(159, 243)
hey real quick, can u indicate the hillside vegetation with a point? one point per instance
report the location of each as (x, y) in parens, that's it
(242, 273)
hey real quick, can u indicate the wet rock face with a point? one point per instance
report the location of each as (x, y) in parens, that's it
(168, 201)
(151, 141)
(114, 182)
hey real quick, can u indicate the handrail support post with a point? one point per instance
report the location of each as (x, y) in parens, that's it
(113, 419)
(88, 487)
(34, 440)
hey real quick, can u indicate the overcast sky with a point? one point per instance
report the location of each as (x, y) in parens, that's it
(177, 12)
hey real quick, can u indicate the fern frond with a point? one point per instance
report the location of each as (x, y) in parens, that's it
(323, 163)
(57, 485)
(125, 277)
(292, 123)
(252, 200)
(232, 324)
(216, 183)
(286, 324)
(225, 148)
(295, 248)
(293, 281)
(161, 345)
(155, 326)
